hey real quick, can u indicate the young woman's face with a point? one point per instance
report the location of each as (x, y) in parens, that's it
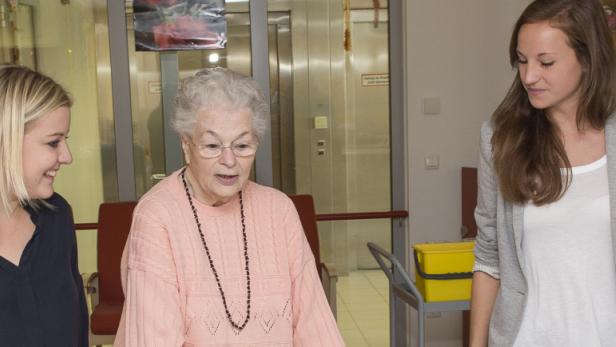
(44, 151)
(217, 179)
(549, 68)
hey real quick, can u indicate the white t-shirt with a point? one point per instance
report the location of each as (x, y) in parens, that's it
(569, 266)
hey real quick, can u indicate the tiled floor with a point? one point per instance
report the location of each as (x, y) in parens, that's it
(363, 308)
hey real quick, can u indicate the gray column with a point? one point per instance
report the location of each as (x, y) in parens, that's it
(169, 75)
(120, 86)
(260, 72)
(399, 185)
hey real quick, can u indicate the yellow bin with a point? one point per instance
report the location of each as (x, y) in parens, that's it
(443, 271)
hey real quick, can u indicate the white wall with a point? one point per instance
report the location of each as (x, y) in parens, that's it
(456, 51)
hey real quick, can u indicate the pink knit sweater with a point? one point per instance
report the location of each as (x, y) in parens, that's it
(171, 295)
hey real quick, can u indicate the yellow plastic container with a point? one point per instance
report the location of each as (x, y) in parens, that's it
(451, 264)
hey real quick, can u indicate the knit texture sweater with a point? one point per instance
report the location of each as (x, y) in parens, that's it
(172, 298)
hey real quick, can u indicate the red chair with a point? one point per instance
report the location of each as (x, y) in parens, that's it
(105, 286)
(307, 215)
(469, 228)
(469, 201)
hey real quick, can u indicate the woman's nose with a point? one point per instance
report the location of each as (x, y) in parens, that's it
(530, 73)
(227, 157)
(65, 155)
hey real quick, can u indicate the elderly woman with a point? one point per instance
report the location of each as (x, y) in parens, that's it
(214, 259)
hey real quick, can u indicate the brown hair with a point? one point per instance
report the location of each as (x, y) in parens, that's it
(527, 149)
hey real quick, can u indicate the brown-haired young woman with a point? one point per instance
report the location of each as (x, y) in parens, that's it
(545, 273)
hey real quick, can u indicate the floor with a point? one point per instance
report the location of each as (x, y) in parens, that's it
(363, 308)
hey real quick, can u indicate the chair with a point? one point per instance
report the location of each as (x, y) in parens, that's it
(469, 201)
(105, 286)
(406, 290)
(307, 215)
(468, 229)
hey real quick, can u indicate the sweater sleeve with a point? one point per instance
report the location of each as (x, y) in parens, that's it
(153, 313)
(486, 247)
(313, 321)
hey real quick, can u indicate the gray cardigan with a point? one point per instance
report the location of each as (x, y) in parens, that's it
(500, 229)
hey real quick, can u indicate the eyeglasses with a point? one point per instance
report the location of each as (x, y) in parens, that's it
(240, 148)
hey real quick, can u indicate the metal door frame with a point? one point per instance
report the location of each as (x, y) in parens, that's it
(399, 327)
(120, 78)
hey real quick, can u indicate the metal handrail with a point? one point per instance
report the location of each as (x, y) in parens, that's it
(320, 217)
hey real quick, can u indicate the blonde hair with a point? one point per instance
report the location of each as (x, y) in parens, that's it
(25, 95)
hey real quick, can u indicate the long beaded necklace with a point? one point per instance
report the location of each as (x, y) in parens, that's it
(239, 327)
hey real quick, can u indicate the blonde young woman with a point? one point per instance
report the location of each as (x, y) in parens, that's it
(41, 292)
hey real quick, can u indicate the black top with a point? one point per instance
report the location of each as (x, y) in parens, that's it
(42, 302)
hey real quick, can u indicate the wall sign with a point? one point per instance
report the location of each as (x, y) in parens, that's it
(374, 79)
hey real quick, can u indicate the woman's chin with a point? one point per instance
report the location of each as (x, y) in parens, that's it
(41, 194)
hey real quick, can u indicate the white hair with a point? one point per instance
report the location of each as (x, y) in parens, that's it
(214, 87)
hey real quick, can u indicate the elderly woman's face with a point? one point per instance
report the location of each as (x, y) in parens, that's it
(220, 153)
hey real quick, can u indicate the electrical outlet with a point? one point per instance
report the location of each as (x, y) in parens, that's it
(431, 162)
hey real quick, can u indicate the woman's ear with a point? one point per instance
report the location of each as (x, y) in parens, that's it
(186, 149)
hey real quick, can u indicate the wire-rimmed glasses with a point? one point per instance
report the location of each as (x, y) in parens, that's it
(210, 149)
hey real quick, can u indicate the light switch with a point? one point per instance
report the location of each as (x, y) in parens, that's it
(320, 122)
(431, 106)
(431, 162)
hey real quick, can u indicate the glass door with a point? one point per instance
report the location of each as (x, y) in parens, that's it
(340, 131)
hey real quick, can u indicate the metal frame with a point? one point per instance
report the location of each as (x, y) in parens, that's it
(120, 86)
(259, 51)
(404, 288)
(169, 76)
(399, 184)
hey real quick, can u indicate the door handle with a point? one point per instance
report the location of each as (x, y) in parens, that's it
(158, 177)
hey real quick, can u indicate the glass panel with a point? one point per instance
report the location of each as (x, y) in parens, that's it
(362, 295)
(281, 100)
(148, 141)
(68, 42)
(330, 139)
